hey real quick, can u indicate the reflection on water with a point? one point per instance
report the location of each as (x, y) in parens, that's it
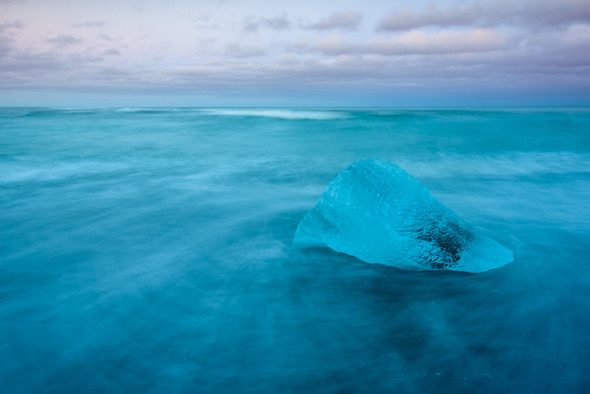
(151, 250)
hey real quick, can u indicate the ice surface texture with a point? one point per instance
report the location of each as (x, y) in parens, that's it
(376, 211)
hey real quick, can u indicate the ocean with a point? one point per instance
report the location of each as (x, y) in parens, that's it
(150, 250)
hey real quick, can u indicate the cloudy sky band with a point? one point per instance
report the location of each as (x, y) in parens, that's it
(231, 47)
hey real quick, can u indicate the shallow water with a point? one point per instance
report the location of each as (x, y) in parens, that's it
(150, 250)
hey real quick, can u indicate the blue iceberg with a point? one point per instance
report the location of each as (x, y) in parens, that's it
(377, 212)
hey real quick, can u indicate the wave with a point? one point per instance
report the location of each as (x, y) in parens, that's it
(35, 171)
(500, 165)
(288, 114)
(149, 110)
(51, 112)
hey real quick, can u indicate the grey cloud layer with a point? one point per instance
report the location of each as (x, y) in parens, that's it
(490, 13)
(338, 20)
(321, 49)
(417, 42)
(112, 52)
(238, 50)
(252, 24)
(554, 58)
(64, 40)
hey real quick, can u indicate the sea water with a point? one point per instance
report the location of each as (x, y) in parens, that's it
(151, 250)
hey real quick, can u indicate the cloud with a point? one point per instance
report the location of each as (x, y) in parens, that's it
(6, 37)
(21, 64)
(238, 50)
(536, 13)
(496, 44)
(418, 42)
(10, 25)
(338, 20)
(64, 40)
(6, 45)
(112, 52)
(252, 24)
(205, 22)
(527, 66)
(577, 35)
(89, 24)
(474, 72)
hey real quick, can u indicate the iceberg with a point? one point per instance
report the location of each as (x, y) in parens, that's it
(377, 212)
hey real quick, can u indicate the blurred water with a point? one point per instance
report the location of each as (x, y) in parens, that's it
(149, 250)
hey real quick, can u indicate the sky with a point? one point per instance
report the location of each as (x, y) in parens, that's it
(305, 53)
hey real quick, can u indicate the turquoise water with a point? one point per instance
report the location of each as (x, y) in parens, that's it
(150, 250)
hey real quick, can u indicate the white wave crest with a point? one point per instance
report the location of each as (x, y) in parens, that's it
(281, 113)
